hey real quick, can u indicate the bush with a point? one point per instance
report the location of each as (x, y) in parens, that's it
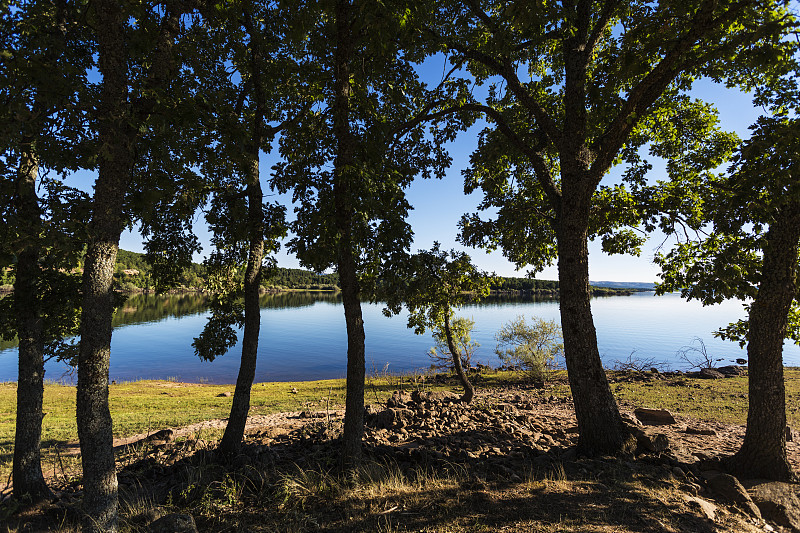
(534, 347)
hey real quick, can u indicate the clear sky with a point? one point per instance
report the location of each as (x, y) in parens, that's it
(439, 204)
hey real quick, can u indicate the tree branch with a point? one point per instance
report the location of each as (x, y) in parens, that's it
(506, 70)
(602, 22)
(652, 86)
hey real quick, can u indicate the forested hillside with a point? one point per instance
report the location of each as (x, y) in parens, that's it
(133, 273)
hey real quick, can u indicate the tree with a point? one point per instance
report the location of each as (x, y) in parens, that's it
(252, 40)
(752, 252)
(44, 65)
(577, 88)
(130, 92)
(461, 334)
(432, 283)
(349, 159)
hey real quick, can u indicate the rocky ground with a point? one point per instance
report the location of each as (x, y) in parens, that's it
(499, 445)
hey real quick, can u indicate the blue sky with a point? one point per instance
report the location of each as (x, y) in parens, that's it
(439, 204)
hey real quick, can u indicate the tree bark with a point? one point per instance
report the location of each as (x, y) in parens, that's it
(469, 390)
(348, 272)
(234, 431)
(600, 426)
(763, 451)
(29, 483)
(100, 502)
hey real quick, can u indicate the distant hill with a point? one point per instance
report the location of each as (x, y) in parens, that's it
(624, 285)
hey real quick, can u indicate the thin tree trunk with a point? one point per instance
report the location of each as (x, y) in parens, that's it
(29, 483)
(763, 452)
(348, 276)
(100, 502)
(469, 390)
(600, 425)
(234, 432)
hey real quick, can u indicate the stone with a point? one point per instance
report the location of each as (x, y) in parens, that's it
(224, 395)
(700, 431)
(654, 417)
(174, 523)
(399, 399)
(710, 373)
(165, 435)
(730, 490)
(647, 442)
(705, 507)
(419, 396)
(778, 503)
(731, 371)
(393, 418)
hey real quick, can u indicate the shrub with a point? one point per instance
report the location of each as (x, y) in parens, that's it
(534, 347)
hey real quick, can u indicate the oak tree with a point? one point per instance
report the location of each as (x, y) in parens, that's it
(432, 283)
(572, 87)
(751, 253)
(43, 62)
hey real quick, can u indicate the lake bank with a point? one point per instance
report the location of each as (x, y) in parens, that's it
(439, 468)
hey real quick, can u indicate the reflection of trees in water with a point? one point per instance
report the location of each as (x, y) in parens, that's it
(142, 308)
(285, 300)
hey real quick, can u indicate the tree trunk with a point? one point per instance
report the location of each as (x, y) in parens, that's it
(29, 483)
(100, 503)
(469, 390)
(601, 429)
(763, 452)
(234, 432)
(348, 274)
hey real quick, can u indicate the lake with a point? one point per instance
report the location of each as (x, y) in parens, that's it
(303, 336)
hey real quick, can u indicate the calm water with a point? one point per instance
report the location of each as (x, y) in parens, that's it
(303, 336)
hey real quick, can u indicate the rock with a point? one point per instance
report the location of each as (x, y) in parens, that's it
(729, 489)
(654, 417)
(393, 418)
(778, 503)
(419, 396)
(710, 373)
(224, 395)
(166, 435)
(399, 399)
(647, 442)
(731, 371)
(700, 431)
(706, 508)
(630, 419)
(174, 523)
